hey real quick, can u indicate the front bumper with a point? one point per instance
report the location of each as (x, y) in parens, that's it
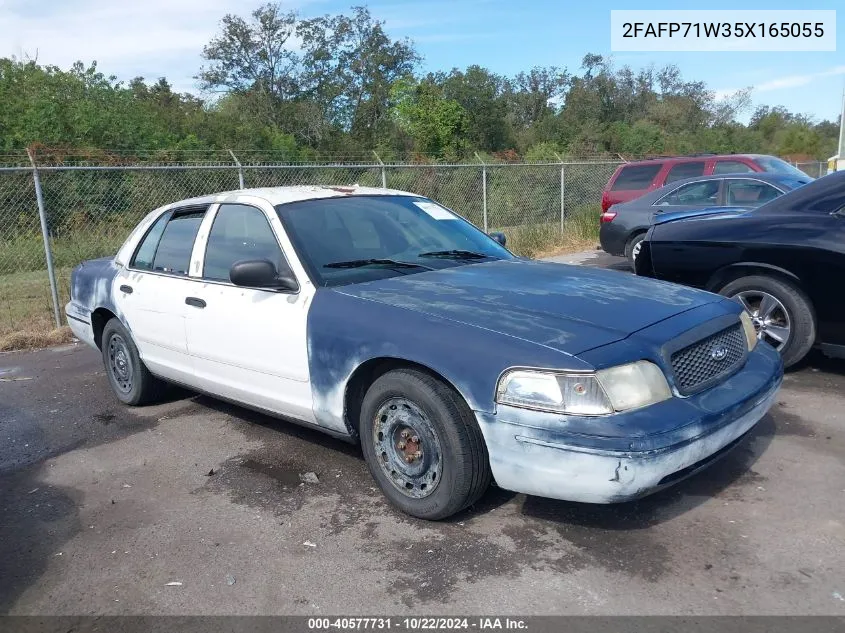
(528, 456)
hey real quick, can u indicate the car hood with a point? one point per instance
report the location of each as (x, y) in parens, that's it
(568, 308)
(722, 212)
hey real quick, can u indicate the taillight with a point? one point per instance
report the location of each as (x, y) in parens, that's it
(605, 200)
(607, 216)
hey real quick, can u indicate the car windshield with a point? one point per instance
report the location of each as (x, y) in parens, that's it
(352, 239)
(779, 166)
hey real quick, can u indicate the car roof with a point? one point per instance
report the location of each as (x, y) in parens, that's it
(690, 157)
(284, 195)
(765, 176)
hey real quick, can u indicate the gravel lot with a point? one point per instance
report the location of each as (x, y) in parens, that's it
(103, 506)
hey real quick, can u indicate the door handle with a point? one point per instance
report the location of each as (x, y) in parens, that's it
(126, 289)
(195, 301)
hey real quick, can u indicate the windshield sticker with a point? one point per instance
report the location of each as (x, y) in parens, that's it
(436, 211)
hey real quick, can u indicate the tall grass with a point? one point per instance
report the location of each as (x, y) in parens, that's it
(580, 232)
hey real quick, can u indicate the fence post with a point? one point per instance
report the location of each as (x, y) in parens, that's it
(562, 190)
(483, 189)
(383, 172)
(45, 235)
(240, 169)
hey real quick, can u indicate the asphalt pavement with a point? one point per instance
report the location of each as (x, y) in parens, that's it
(193, 506)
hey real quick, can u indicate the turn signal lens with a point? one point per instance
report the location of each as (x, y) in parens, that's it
(748, 328)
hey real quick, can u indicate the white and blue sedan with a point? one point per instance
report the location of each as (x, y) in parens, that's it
(382, 317)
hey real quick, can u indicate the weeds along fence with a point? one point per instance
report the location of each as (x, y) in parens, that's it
(52, 217)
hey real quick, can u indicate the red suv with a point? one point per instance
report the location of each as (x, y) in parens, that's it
(633, 180)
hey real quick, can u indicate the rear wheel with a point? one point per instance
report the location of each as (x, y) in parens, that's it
(781, 313)
(633, 247)
(423, 445)
(130, 380)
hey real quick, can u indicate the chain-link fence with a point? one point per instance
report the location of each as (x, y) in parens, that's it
(89, 210)
(815, 168)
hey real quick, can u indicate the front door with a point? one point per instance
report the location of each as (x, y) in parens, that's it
(249, 344)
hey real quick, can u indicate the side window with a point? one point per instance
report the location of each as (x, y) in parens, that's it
(685, 170)
(239, 232)
(145, 254)
(634, 177)
(731, 167)
(173, 254)
(749, 192)
(706, 192)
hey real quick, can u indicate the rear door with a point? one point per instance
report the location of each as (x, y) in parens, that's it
(150, 293)
(249, 344)
(749, 192)
(691, 196)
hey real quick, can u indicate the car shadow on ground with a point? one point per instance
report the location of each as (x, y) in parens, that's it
(733, 468)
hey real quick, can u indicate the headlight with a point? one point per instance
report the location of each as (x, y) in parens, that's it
(750, 331)
(608, 390)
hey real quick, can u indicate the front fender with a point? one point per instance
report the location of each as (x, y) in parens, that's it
(345, 332)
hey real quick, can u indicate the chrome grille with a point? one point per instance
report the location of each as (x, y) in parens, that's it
(703, 362)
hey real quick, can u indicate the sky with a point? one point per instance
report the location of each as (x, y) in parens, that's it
(154, 38)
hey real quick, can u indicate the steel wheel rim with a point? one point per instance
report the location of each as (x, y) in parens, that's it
(768, 314)
(407, 448)
(120, 363)
(636, 250)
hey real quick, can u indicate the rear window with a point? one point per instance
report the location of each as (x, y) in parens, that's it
(634, 177)
(685, 170)
(778, 166)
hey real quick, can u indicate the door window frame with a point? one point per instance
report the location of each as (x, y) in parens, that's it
(193, 208)
(720, 195)
(726, 184)
(201, 243)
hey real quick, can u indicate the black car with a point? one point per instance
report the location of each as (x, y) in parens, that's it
(784, 261)
(624, 225)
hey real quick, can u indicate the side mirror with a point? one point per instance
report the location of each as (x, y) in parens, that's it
(261, 273)
(499, 237)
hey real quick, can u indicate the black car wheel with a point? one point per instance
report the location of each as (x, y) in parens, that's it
(423, 445)
(632, 248)
(781, 313)
(130, 380)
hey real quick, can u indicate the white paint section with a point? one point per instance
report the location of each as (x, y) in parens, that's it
(250, 345)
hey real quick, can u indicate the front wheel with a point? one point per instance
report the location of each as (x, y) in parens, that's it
(130, 380)
(423, 445)
(781, 313)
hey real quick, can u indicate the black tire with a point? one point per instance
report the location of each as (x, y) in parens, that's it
(444, 429)
(632, 243)
(130, 380)
(802, 319)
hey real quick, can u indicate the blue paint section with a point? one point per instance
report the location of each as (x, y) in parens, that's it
(344, 331)
(91, 288)
(567, 308)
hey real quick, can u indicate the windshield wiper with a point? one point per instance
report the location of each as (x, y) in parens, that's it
(456, 254)
(360, 263)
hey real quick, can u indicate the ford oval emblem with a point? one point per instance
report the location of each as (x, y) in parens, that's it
(719, 352)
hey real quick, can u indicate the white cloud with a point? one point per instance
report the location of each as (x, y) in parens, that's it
(789, 81)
